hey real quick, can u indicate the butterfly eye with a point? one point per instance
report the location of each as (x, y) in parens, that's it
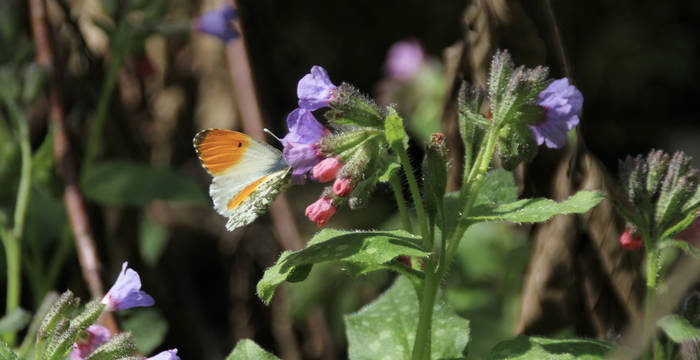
(240, 144)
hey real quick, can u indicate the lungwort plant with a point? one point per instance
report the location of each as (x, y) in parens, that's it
(360, 145)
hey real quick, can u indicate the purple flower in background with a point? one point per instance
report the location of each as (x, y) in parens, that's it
(404, 59)
(315, 89)
(96, 336)
(218, 22)
(562, 103)
(166, 355)
(126, 292)
(300, 150)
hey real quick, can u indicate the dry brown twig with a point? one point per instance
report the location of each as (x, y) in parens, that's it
(72, 198)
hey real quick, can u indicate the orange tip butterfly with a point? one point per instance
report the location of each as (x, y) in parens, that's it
(247, 174)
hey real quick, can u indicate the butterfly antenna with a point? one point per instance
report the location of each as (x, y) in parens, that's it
(271, 134)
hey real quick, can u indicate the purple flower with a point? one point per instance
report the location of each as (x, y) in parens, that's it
(218, 22)
(300, 149)
(166, 355)
(404, 59)
(126, 292)
(562, 103)
(96, 336)
(315, 89)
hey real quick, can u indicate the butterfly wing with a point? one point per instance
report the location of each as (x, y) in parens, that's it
(248, 174)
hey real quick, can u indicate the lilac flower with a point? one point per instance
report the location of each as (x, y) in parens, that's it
(300, 150)
(96, 336)
(562, 103)
(315, 89)
(218, 22)
(404, 59)
(126, 292)
(166, 355)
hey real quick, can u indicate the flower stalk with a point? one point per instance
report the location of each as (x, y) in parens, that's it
(12, 239)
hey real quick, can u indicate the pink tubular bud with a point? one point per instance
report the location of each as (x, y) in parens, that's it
(327, 169)
(342, 186)
(320, 211)
(630, 241)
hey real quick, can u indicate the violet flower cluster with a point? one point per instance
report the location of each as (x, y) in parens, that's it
(314, 91)
(126, 293)
(313, 151)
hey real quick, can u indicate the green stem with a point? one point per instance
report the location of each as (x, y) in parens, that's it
(470, 189)
(400, 201)
(98, 123)
(12, 240)
(421, 345)
(417, 200)
(652, 272)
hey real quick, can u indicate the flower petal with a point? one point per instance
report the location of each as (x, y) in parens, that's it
(314, 89)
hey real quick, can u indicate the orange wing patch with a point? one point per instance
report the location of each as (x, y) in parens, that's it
(238, 199)
(220, 149)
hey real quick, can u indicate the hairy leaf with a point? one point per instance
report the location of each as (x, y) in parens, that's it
(6, 353)
(247, 349)
(536, 210)
(386, 328)
(362, 249)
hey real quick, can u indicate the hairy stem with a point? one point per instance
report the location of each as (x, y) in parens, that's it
(417, 199)
(652, 273)
(400, 201)
(421, 345)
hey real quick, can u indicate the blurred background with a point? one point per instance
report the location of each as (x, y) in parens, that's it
(136, 72)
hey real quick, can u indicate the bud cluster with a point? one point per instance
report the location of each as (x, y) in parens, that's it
(662, 192)
(344, 153)
(68, 330)
(523, 107)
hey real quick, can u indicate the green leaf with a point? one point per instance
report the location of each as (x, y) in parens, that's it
(153, 239)
(536, 210)
(363, 249)
(148, 328)
(678, 329)
(498, 188)
(526, 348)
(386, 328)
(130, 183)
(248, 350)
(16, 320)
(390, 169)
(682, 245)
(6, 353)
(393, 129)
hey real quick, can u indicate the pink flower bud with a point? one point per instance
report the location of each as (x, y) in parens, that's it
(320, 211)
(96, 336)
(630, 241)
(327, 169)
(342, 187)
